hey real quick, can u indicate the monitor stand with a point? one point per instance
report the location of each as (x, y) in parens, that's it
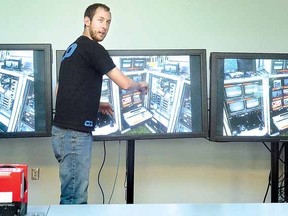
(130, 160)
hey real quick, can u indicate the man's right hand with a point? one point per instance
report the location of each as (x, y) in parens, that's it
(143, 87)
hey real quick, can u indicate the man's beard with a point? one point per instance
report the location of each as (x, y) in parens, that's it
(94, 36)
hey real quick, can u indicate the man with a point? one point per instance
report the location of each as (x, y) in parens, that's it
(78, 100)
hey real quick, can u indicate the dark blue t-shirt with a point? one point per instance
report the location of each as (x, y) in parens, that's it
(80, 80)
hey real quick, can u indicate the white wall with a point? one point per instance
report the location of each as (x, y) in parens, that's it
(166, 171)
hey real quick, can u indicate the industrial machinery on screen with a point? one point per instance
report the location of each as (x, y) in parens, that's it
(165, 109)
(17, 111)
(254, 96)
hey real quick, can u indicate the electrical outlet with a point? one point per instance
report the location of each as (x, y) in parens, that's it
(35, 173)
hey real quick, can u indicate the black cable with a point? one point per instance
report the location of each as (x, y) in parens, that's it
(268, 186)
(99, 173)
(282, 187)
(266, 146)
(126, 175)
(281, 179)
(117, 170)
(269, 178)
(280, 151)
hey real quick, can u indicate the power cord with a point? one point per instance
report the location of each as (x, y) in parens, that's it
(99, 173)
(116, 175)
(268, 187)
(117, 171)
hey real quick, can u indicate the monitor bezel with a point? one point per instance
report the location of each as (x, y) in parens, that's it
(216, 105)
(201, 53)
(47, 82)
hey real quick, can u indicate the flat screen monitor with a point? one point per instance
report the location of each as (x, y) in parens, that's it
(176, 103)
(248, 97)
(25, 90)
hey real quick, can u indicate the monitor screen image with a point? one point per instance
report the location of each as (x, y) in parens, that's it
(233, 91)
(252, 103)
(230, 65)
(259, 112)
(277, 94)
(278, 65)
(276, 104)
(236, 106)
(285, 92)
(252, 88)
(285, 102)
(277, 84)
(285, 82)
(175, 105)
(25, 90)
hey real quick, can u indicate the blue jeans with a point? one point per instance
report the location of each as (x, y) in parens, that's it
(72, 150)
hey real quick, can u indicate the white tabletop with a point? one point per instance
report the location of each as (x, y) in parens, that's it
(169, 209)
(40, 210)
